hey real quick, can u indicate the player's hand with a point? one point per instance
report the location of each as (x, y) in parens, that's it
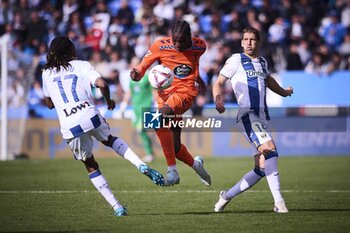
(220, 106)
(135, 75)
(110, 105)
(288, 91)
(200, 85)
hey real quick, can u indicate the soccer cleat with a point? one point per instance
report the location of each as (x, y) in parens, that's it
(205, 177)
(172, 178)
(280, 207)
(154, 175)
(220, 205)
(148, 158)
(121, 211)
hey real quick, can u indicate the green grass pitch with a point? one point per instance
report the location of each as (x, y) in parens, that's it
(57, 196)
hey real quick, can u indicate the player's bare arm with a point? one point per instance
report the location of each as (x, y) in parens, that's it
(102, 84)
(217, 93)
(48, 102)
(275, 87)
(202, 87)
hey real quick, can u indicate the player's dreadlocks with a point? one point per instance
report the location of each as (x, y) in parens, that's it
(181, 27)
(61, 52)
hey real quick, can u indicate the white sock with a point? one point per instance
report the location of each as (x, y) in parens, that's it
(272, 176)
(123, 149)
(172, 168)
(133, 158)
(102, 186)
(247, 181)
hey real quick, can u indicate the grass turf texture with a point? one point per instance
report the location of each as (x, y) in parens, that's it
(57, 196)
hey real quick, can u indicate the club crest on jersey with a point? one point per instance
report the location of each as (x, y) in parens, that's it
(74, 110)
(182, 71)
(148, 53)
(253, 73)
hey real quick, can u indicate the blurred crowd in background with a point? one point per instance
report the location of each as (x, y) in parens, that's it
(310, 35)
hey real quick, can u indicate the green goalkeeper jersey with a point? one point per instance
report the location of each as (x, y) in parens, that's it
(141, 93)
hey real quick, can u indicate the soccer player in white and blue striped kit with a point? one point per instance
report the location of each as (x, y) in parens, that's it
(249, 75)
(67, 88)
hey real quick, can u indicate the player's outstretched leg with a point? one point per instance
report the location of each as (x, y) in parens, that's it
(123, 149)
(154, 175)
(197, 164)
(198, 167)
(221, 203)
(121, 211)
(247, 181)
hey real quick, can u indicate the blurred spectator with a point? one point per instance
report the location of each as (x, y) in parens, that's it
(35, 98)
(345, 14)
(333, 32)
(76, 24)
(297, 30)
(316, 65)
(335, 63)
(126, 14)
(304, 51)
(164, 9)
(6, 15)
(68, 7)
(344, 48)
(278, 32)
(293, 59)
(36, 30)
(125, 49)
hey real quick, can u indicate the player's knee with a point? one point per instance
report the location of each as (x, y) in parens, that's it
(109, 141)
(270, 154)
(91, 165)
(259, 171)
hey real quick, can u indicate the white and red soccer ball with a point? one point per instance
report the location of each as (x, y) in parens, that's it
(160, 77)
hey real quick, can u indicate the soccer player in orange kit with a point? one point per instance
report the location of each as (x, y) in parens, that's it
(181, 53)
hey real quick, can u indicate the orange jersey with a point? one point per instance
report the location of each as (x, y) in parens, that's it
(184, 64)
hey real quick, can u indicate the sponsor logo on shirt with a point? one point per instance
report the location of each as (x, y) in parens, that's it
(182, 71)
(254, 73)
(164, 47)
(77, 108)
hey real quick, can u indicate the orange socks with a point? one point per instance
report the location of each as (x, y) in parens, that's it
(185, 156)
(166, 141)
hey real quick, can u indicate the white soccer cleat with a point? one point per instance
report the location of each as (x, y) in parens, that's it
(172, 178)
(220, 205)
(280, 207)
(199, 168)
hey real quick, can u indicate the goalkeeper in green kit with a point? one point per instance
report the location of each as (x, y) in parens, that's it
(140, 95)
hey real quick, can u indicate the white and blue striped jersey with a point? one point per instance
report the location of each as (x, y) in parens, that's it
(248, 77)
(70, 92)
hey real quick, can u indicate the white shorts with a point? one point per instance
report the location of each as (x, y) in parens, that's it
(256, 130)
(82, 145)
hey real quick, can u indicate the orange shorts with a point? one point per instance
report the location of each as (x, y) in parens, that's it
(178, 102)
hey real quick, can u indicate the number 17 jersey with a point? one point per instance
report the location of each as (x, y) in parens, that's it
(70, 92)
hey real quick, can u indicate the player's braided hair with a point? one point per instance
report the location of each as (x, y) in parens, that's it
(181, 27)
(252, 30)
(61, 52)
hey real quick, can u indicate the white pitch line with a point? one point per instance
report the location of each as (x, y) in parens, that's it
(158, 191)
